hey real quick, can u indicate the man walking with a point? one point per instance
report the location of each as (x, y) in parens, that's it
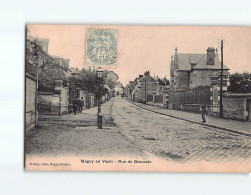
(81, 104)
(204, 110)
(75, 105)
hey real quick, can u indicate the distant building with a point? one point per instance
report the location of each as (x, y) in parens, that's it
(128, 90)
(144, 85)
(43, 43)
(62, 62)
(189, 71)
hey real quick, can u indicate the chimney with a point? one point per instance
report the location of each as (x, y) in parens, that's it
(210, 56)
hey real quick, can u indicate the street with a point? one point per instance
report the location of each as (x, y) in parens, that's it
(132, 131)
(177, 140)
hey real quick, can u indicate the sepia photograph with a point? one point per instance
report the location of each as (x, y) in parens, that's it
(137, 98)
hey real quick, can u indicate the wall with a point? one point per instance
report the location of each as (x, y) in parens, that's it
(64, 100)
(30, 106)
(151, 88)
(191, 96)
(200, 78)
(48, 104)
(181, 80)
(234, 108)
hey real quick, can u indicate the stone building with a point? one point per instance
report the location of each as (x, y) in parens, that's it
(62, 62)
(30, 101)
(128, 90)
(144, 85)
(189, 71)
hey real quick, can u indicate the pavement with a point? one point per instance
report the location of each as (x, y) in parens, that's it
(133, 131)
(234, 126)
(178, 140)
(78, 135)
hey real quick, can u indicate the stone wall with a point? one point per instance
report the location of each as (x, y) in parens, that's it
(30, 106)
(48, 103)
(200, 78)
(181, 80)
(234, 108)
(64, 102)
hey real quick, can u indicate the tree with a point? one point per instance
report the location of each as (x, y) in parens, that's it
(89, 81)
(111, 79)
(164, 81)
(240, 83)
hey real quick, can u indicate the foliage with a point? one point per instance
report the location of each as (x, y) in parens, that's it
(240, 83)
(163, 81)
(47, 72)
(111, 79)
(89, 81)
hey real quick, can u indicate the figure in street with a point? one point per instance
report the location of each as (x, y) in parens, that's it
(75, 105)
(203, 111)
(81, 104)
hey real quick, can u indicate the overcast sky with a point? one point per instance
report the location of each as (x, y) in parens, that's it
(144, 48)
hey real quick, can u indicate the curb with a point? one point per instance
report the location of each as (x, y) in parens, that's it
(188, 120)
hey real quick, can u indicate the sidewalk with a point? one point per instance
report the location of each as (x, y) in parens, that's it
(224, 124)
(78, 135)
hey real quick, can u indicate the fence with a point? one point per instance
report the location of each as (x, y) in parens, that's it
(192, 96)
(158, 98)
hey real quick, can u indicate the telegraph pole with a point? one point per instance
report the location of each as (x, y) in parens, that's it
(221, 81)
(145, 89)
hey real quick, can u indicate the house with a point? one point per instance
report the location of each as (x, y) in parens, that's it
(30, 101)
(189, 71)
(128, 90)
(144, 85)
(51, 78)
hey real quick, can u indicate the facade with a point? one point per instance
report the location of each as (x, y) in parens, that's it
(128, 90)
(145, 85)
(55, 103)
(30, 101)
(237, 106)
(62, 62)
(189, 71)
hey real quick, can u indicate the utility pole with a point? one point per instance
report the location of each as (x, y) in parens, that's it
(145, 90)
(221, 81)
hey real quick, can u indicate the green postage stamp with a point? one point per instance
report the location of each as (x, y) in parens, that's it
(101, 47)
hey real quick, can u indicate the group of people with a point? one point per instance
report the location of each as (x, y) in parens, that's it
(78, 105)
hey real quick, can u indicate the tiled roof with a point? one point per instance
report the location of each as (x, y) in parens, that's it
(148, 79)
(184, 62)
(203, 64)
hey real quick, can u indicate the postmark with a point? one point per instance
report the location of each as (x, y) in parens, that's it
(101, 47)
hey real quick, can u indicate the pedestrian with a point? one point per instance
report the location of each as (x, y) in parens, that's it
(75, 105)
(203, 111)
(81, 104)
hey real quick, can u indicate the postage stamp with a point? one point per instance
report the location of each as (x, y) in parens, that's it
(101, 47)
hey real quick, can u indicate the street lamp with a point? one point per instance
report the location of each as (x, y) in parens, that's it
(99, 73)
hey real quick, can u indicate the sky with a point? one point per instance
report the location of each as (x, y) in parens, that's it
(142, 48)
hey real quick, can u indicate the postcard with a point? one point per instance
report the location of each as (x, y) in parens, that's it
(137, 98)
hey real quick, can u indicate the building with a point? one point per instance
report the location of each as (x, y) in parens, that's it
(43, 43)
(52, 96)
(30, 101)
(144, 85)
(128, 90)
(62, 62)
(189, 71)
